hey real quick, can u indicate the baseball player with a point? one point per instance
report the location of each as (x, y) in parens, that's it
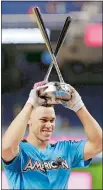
(34, 163)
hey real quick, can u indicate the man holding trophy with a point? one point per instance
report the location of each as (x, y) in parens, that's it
(34, 163)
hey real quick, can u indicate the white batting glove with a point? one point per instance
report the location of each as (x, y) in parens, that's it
(34, 96)
(71, 98)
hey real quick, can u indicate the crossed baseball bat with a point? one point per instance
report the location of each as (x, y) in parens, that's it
(36, 13)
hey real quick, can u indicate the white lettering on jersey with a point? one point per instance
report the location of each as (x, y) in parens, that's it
(44, 166)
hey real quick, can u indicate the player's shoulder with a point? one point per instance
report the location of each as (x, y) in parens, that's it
(61, 143)
(24, 143)
(66, 143)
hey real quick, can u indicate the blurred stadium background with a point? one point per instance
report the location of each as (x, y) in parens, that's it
(25, 61)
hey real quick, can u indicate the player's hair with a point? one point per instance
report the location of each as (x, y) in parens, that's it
(47, 105)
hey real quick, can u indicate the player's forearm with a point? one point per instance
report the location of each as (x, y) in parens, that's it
(17, 128)
(92, 128)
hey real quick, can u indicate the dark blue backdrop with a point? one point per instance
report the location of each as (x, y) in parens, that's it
(18, 7)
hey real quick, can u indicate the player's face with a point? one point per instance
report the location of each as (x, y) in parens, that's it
(43, 122)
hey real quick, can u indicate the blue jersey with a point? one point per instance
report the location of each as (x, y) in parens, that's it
(45, 169)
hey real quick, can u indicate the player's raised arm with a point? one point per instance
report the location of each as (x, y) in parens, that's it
(16, 130)
(93, 132)
(92, 129)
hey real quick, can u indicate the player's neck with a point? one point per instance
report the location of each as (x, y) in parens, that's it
(36, 142)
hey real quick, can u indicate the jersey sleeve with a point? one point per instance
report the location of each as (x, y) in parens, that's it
(75, 153)
(13, 164)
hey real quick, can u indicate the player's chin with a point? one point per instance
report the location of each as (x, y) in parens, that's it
(46, 137)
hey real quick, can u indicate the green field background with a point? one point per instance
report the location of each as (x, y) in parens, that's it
(96, 172)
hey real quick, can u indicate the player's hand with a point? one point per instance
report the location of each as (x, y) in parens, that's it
(35, 98)
(69, 97)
